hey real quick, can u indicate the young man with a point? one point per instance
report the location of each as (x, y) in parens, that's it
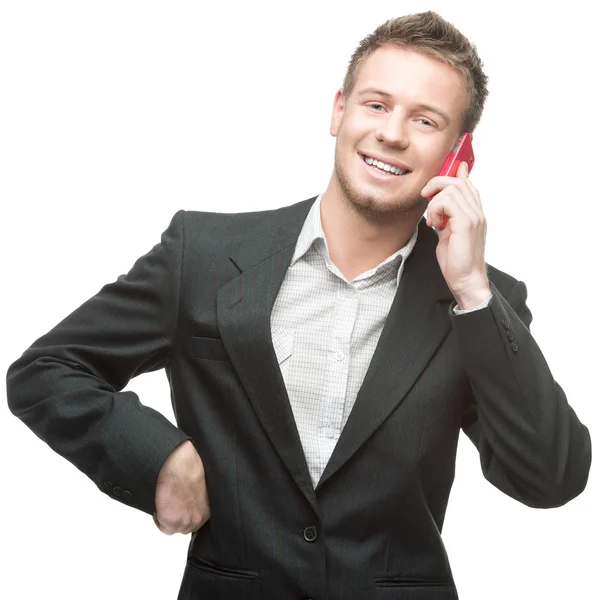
(322, 357)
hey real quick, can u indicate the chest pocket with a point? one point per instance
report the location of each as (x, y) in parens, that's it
(283, 344)
(208, 348)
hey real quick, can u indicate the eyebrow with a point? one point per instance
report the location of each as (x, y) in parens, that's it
(427, 107)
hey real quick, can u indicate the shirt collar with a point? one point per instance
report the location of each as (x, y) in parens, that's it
(312, 230)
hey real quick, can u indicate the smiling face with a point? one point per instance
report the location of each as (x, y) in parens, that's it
(405, 110)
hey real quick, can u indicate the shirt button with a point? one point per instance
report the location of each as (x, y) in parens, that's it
(329, 432)
(339, 356)
(310, 533)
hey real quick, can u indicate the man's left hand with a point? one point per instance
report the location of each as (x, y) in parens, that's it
(461, 247)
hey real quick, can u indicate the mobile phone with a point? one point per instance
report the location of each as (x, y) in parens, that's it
(462, 151)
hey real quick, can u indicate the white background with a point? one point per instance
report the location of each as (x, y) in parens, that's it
(114, 115)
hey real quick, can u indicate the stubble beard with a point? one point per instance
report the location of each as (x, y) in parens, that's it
(369, 207)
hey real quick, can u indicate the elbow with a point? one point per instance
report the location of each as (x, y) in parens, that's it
(569, 482)
(14, 393)
(12, 390)
(22, 386)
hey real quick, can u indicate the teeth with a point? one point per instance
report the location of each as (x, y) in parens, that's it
(384, 166)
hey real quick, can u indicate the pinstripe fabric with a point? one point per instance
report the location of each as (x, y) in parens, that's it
(199, 305)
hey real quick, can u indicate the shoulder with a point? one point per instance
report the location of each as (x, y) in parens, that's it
(505, 283)
(196, 220)
(231, 227)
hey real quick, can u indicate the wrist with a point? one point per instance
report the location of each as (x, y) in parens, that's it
(182, 460)
(471, 299)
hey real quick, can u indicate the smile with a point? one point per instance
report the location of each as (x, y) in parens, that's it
(384, 167)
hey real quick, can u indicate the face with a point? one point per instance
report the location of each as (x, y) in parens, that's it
(405, 110)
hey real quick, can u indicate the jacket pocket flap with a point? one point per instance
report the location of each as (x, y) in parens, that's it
(209, 348)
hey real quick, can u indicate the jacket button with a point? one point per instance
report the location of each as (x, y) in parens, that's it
(514, 346)
(505, 322)
(310, 533)
(126, 496)
(117, 490)
(108, 486)
(510, 335)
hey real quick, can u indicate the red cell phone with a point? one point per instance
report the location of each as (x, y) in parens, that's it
(462, 151)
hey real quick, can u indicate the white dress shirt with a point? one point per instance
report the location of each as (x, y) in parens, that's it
(325, 330)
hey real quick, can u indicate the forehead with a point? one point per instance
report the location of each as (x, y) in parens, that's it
(410, 76)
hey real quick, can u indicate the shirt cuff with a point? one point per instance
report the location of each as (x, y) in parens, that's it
(457, 311)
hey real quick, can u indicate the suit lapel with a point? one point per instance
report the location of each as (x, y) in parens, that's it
(244, 312)
(417, 324)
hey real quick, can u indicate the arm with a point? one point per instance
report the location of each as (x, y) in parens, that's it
(67, 386)
(532, 446)
(531, 443)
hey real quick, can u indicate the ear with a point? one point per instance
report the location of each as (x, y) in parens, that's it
(338, 112)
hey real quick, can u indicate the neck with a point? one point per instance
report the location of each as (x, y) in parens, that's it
(357, 244)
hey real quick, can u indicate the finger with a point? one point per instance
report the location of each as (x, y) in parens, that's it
(463, 170)
(468, 203)
(463, 174)
(162, 528)
(474, 195)
(470, 193)
(438, 210)
(436, 185)
(193, 526)
(465, 186)
(454, 205)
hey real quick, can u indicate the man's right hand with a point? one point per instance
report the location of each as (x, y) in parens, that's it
(181, 497)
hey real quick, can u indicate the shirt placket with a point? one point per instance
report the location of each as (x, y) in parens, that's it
(336, 374)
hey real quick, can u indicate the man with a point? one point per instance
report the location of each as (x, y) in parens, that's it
(322, 358)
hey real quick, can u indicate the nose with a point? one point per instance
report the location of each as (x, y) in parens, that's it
(393, 130)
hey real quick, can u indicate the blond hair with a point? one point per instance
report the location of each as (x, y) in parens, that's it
(431, 35)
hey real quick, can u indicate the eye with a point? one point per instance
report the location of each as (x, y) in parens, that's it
(374, 104)
(427, 122)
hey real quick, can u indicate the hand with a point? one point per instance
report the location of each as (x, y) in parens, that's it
(181, 498)
(461, 246)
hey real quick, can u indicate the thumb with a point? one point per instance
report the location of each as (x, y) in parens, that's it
(159, 524)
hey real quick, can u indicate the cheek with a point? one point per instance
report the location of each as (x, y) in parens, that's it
(353, 129)
(432, 160)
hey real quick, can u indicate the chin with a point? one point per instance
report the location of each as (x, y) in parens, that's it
(375, 202)
(378, 209)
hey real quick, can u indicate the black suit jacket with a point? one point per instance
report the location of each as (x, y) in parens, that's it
(198, 305)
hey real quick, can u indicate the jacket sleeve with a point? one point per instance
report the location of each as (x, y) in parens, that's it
(531, 444)
(67, 386)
